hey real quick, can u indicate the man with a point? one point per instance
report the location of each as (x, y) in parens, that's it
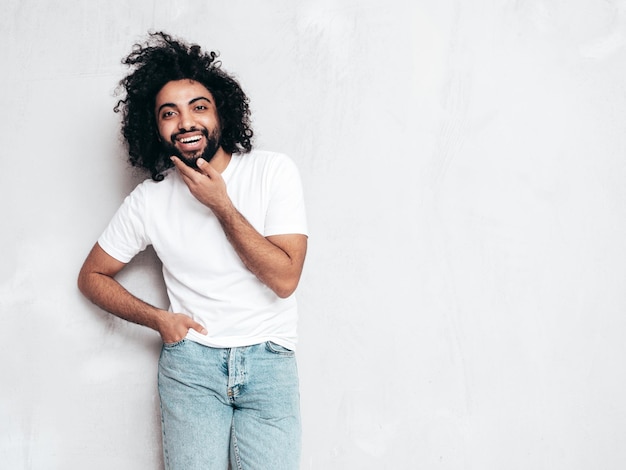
(229, 226)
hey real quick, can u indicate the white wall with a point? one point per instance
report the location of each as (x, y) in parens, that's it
(463, 300)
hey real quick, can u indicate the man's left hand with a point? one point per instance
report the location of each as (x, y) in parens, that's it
(206, 183)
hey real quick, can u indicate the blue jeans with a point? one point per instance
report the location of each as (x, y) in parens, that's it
(237, 405)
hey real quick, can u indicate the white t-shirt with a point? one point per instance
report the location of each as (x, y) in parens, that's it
(204, 276)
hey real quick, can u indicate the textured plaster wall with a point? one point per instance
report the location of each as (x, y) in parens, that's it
(462, 305)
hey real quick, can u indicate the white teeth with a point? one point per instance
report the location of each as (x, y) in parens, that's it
(190, 140)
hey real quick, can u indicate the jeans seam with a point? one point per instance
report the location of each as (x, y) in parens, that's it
(235, 448)
(166, 457)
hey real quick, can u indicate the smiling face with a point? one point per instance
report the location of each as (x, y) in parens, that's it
(187, 120)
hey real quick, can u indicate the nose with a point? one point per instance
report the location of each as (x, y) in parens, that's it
(186, 121)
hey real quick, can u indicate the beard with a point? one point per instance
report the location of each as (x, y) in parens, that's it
(212, 145)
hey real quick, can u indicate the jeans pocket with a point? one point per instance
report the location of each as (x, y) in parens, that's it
(278, 349)
(174, 344)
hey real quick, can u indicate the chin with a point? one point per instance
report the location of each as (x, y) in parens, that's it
(190, 161)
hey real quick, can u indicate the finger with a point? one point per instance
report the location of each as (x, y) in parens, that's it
(179, 164)
(206, 168)
(199, 328)
(190, 323)
(188, 174)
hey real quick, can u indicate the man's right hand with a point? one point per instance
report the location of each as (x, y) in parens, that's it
(97, 282)
(174, 327)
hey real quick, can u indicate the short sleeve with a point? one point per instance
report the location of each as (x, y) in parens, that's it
(286, 212)
(125, 236)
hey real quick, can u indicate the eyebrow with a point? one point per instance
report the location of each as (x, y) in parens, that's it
(173, 105)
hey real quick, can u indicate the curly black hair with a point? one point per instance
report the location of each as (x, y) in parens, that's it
(163, 59)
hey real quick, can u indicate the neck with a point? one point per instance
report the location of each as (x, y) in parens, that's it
(220, 160)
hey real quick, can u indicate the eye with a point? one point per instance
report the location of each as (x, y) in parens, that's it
(201, 107)
(167, 114)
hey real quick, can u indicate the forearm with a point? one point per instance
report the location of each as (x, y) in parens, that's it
(271, 264)
(110, 295)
